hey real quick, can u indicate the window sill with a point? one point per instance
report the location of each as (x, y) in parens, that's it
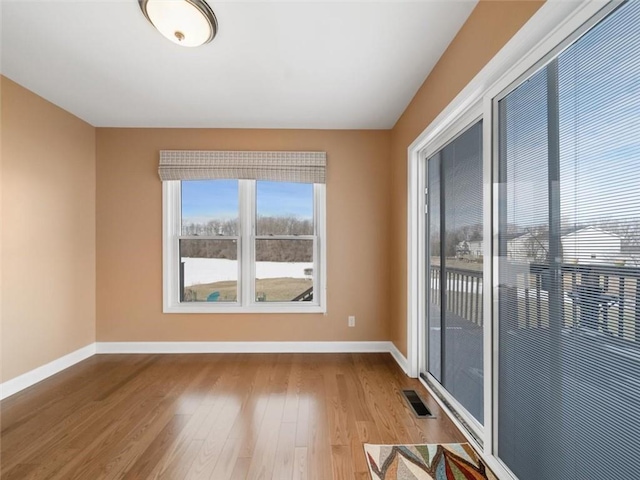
(213, 309)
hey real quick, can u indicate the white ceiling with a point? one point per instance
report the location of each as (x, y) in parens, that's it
(295, 64)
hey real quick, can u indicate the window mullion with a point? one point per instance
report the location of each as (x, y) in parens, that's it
(319, 230)
(247, 194)
(177, 231)
(251, 208)
(171, 232)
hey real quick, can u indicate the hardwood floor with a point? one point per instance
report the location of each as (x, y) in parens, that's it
(213, 416)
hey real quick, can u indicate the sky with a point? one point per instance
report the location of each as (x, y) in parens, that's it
(599, 104)
(204, 200)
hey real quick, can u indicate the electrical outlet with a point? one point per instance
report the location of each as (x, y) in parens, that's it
(352, 321)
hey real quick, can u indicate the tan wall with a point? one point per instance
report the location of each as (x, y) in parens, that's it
(48, 231)
(129, 237)
(489, 27)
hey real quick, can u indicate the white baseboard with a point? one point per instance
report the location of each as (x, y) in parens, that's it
(13, 386)
(242, 347)
(400, 359)
(36, 375)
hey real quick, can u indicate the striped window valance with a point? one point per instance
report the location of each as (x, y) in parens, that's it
(302, 167)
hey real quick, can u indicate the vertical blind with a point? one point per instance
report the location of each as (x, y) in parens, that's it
(569, 260)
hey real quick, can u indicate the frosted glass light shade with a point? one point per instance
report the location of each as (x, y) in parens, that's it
(189, 23)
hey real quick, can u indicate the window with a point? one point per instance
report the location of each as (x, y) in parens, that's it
(285, 242)
(209, 241)
(249, 245)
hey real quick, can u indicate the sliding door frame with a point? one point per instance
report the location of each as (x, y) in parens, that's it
(551, 29)
(472, 116)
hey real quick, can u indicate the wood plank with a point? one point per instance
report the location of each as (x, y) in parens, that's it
(336, 410)
(146, 463)
(319, 441)
(285, 452)
(263, 458)
(294, 386)
(349, 407)
(180, 462)
(241, 469)
(300, 467)
(341, 462)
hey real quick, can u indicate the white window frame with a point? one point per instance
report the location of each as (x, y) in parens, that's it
(550, 29)
(171, 226)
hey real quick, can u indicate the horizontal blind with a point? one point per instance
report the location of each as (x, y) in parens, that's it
(301, 167)
(462, 331)
(569, 261)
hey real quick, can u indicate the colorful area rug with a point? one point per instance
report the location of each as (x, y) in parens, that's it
(453, 461)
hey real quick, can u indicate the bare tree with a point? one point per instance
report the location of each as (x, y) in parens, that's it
(294, 250)
(536, 244)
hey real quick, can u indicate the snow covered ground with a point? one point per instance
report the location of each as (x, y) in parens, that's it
(210, 270)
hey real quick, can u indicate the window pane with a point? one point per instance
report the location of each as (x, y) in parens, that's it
(284, 270)
(210, 207)
(209, 270)
(455, 269)
(569, 295)
(462, 277)
(284, 208)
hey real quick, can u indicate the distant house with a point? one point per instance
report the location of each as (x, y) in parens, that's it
(591, 245)
(475, 248)
(471, 249)
(582, 245)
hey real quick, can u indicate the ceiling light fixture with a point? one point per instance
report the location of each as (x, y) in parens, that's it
(189, 23)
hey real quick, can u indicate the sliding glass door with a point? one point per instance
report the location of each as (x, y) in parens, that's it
(568, 276)
(454, 337)
(559, 187)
